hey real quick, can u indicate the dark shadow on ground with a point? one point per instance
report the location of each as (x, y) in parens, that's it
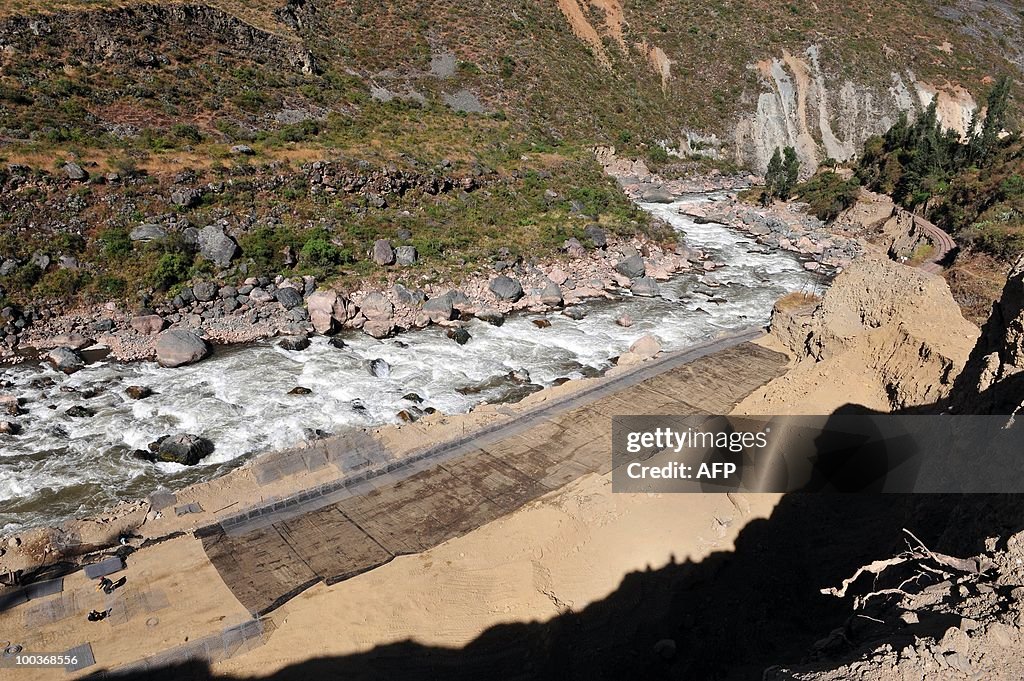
(731, 615)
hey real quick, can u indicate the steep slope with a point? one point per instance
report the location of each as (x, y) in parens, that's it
(885, 336)
(821, 76)
(992, 382)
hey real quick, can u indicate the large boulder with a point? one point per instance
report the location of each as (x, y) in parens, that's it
(382, 253)
(148, 324)
(65, 359)
(288, 297)
(506, 289)
(377, 306)
(379, 328)
(657, 195)
(597, 236)
(406, 255)
(216, 246)
(632, 267)
(293, 343)
(186, 197)
(321, 308)
(645, 286)
(187, 450)
(75, 172)
(440, 309)
(148, 232)
(551, 295)
(178, 347)
(205, 291)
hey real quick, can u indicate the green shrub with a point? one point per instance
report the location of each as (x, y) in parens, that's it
(828, 194)
(171, 269)
(61, 283)
(116, 242)
(319, 252)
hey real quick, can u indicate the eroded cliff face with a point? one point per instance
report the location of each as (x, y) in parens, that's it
(884, 336)
(821, 116)
(992, 382)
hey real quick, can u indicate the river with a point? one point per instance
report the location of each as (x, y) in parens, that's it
(60, 467)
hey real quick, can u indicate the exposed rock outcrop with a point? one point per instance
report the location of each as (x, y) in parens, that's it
(992, 381)
(819, 117)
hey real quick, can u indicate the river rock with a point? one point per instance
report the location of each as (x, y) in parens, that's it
(382, 253)
(379, 328)
(624, 321)
(410, 414)
(378, 368)
(260, 295)
(646, 346)
(406, 255)
(631, 267)
(551, 295)
(459, 335)
(288, 297)
(657, 195)
(74, 341)
(65, 359)
(645, 286)
(377, 306)
(541, 323)
(336, 343)
(205, 291)
(178, 347)
(492, 317)
(187, 450)
(299, 390)
(505, 288)
(80, 412)
(10, 405)
(576, 313)
(294, 343)
(138, 392)
(148, 232)
(413, 397)
(327, 311)
(9, 428)
(440, 309)
(149, 324)
(216, 246)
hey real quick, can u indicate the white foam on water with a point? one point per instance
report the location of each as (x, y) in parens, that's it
(62, 466)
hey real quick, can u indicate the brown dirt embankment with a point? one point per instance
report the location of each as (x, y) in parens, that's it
(885, 336)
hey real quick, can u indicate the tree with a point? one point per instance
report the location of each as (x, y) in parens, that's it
(782, 175)
(773, 178)
(995, 117)
(791, 172)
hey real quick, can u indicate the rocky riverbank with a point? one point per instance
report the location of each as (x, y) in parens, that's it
(265, 308)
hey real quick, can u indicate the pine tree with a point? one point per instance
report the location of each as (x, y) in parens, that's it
(773, 178)
(995, 117)
(791, 172)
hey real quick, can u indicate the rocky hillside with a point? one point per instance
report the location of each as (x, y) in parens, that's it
(727, 79)
(297, 134)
